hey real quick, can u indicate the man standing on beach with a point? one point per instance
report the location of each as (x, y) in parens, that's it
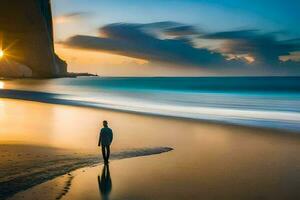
(105, 139)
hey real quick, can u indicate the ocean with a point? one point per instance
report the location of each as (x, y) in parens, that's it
(268, 102)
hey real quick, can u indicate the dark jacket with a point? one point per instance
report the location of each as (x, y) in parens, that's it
(106, 137)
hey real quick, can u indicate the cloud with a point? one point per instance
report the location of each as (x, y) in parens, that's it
(161, 25)
(130, 40)
(265, 48)
(169, 28)
(179, 31)
(241, 50)
(70, 17)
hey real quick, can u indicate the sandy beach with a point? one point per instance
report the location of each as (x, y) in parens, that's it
(209, 161)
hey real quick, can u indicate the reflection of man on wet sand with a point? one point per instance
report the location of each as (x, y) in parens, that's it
(105, 184)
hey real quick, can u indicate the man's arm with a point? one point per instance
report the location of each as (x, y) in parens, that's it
(112, 136)
(99, 142)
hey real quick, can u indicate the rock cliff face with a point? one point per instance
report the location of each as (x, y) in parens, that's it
(27, 37)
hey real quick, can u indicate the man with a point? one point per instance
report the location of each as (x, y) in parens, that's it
(105, 139)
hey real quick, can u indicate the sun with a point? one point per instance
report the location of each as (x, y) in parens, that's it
(1, 53)
(1, 85)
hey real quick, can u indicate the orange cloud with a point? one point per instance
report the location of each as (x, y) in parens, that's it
(71, 17)
(78, 56)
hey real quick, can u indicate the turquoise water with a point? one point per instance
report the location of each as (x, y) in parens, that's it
(270, 102)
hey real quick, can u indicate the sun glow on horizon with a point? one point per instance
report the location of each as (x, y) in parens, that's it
(1, 54)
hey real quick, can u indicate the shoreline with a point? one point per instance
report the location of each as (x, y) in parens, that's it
(63, 102)
(18, 183)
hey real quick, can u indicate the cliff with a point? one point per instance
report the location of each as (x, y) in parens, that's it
(27, 37)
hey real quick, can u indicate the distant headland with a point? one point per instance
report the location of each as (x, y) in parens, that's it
(26, 41)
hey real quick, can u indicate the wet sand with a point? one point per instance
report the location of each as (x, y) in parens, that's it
(24, 166)
(209, 161)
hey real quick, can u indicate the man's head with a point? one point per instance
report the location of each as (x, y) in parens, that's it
(105, 123)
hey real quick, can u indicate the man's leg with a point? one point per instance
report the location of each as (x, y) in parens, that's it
(103, 152)
(108, 152)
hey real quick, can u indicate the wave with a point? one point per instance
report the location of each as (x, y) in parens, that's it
(279, 112)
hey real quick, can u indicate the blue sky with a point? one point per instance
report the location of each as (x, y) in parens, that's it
(213, 14)
(85, 18)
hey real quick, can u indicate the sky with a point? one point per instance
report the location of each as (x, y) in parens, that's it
(179, 37)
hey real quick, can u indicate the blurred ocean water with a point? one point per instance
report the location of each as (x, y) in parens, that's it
(270, 102)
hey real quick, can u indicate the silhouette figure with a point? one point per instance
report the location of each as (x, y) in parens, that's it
(105, 139)
(105, 183)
